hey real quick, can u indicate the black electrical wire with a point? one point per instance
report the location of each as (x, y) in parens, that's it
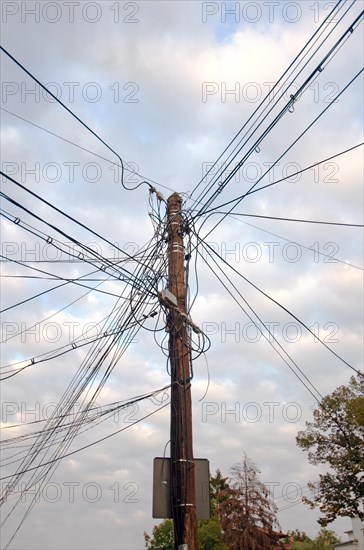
(237, 200)
(56, 313)
(330, 258)
(101, 415)
(111, 407)
(56, 278)
(203, 243)
(286, 108)
(126, 169)
(68, 217)
(65, 282)
(77, 118)
(288, 177)
(293, 219)
(104, 378)
(57, 353)
(335, 418)
(268, 331)
(56, 460)
(327, 19)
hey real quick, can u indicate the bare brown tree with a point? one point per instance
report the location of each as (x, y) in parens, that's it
(247, 514)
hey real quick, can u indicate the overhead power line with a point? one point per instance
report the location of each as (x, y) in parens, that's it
(97, 136)
(277, 87)
(239, 199)
(255, 190)
(215, 253)
(287, 107)
(293, 219)
(127, 165)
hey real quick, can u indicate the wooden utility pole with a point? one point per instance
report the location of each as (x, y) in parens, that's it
(182, 463)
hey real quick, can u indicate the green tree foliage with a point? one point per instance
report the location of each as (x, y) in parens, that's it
(162, 537)
(210, 535)
(218, 487)
(299, 539)
(335, 438)
(325, 540)
(297, 536)
(246, 513)
(209, 532)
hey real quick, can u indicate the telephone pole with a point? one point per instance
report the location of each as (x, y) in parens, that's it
(183, 494)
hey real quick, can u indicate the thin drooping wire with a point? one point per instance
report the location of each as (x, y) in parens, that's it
(281, 306)
(293, 219)
(51, 241)
(83, 254)
(287, 177)
(308, 168)
(78, 119)
(329, 258)
(127, 166)
(71, 346)
(54, 278)
(100, 410)
(269, 332)
(336, 419)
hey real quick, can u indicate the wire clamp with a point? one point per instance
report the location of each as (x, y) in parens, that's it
(291, 108)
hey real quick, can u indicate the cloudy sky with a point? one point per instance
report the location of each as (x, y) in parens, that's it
(167, 85)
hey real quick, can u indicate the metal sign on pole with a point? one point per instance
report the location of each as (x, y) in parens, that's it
(162, 504)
